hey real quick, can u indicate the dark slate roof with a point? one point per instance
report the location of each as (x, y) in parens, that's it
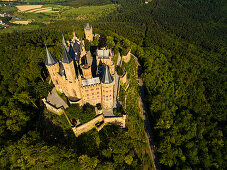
(71, 52)
(87, 27)
(66, 57)
(50, 60)
(106, 77)
(76, 48)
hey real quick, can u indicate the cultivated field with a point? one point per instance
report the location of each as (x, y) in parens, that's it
(24, 8)
(22, 22)
(34, 8)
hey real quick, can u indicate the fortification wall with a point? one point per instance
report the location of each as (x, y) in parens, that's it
(88, 126)
(123, 79)
(127, 57)
(102, 121)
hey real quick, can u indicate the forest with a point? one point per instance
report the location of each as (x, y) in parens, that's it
(182, 47)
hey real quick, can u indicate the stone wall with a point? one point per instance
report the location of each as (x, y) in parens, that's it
(127, 57)
(99, 122)
(123, 79)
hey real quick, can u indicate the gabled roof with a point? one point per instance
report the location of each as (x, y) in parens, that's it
(66, 58)
(106, 77)
(87, 27)
(50, 60)
(104, 53)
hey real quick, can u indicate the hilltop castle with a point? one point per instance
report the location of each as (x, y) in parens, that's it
(81, 77)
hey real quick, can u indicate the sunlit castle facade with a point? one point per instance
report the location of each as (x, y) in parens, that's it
(81, 77)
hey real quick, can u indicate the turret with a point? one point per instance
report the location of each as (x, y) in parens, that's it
(68, 65)
(107, 82)
(88, 32)
(52, 65)
(86, 69)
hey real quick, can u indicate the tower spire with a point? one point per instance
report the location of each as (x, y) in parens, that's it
(66, 58)
(50, 60)
(63, 40)
(107, 78)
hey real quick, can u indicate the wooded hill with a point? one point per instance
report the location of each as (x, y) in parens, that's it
(182, 46)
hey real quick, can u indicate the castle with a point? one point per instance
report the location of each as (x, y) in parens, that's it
(81, 77)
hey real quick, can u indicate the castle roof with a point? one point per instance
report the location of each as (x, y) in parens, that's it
(90, 82)
(104, 53)
(66, 58)
(106, 77)
(50, 60)
(72, 52)
(88, 27)
(76, 48)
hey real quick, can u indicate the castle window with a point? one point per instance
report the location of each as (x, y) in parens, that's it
(88, 98)
(110, 90)
(110, 95)
(106, 99)
(97, 96)
(86, 90)
(106, 96)
(92, 93)
(97, 88)
(92, 89)
(97, 92)
(87, 94)
(106, 91)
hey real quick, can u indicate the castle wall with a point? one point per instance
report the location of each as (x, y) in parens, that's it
(92, 94)
(99, 119)
(107, 95)
(123, 79)
(127, 57)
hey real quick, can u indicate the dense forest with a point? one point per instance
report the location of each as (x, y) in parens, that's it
(182, 47)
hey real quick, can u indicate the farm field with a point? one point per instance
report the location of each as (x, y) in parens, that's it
(34, 8)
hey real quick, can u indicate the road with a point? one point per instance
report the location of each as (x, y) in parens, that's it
(147, 125)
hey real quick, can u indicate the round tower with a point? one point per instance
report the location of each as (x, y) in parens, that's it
(52, 65)
(107, 82)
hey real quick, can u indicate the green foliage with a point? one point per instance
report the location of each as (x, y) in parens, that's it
(84, 114)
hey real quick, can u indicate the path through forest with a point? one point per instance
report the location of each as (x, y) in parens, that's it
(147, 124)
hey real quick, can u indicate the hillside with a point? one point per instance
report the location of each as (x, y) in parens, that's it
(182, 46)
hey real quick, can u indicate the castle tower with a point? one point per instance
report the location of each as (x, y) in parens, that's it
(68, 65)
(86, 69)
(107, 82)
(53, 68)
(88, 32)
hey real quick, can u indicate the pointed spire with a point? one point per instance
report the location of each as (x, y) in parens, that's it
(87, 27)
(66, 58)
(63, 40)
(107, 78)
(50, 60)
